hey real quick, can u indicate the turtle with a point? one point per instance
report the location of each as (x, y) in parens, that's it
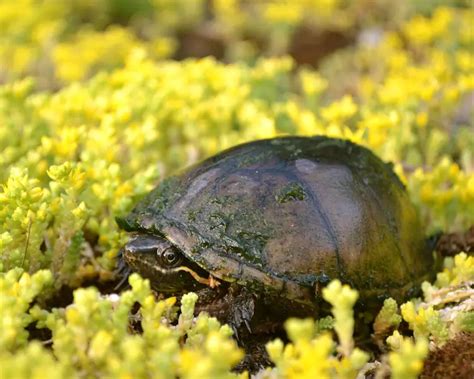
(259, 229)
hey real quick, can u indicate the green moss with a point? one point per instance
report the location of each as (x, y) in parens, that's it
(291, 192)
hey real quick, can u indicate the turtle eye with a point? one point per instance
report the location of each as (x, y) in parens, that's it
(170, 257)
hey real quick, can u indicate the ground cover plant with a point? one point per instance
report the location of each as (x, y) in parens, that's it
(93, 114)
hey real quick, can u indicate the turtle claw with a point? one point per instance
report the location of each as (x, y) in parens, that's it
(120, 285)
(121, 270)
(235, 331)
(247, 324)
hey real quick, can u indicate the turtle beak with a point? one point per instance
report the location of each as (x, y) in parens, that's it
(141, 254)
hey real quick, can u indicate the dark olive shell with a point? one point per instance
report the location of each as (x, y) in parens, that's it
(288, 214)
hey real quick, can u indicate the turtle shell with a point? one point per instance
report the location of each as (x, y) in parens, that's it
(287, 214)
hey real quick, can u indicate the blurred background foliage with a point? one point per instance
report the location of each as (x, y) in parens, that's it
(63, 41)
(100, 99)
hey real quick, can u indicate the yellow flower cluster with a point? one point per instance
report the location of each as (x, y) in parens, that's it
(423, 31)
(441, 192)
(66, 41)
(63, 41)
(457, 270)
(17, 291)
(407, 361)
(28, 29)
(310, 353)
(93, 335)
(90, 51)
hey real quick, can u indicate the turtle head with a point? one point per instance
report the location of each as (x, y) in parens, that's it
(165, 265)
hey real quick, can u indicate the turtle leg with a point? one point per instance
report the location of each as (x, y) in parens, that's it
(241, 309)
(232, 305)
(237, 307)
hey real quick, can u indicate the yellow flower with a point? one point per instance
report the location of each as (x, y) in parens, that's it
(312, 82)
(339, 110)
(289, 13)
(421, 30)
(422, 119)
(99, 345)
